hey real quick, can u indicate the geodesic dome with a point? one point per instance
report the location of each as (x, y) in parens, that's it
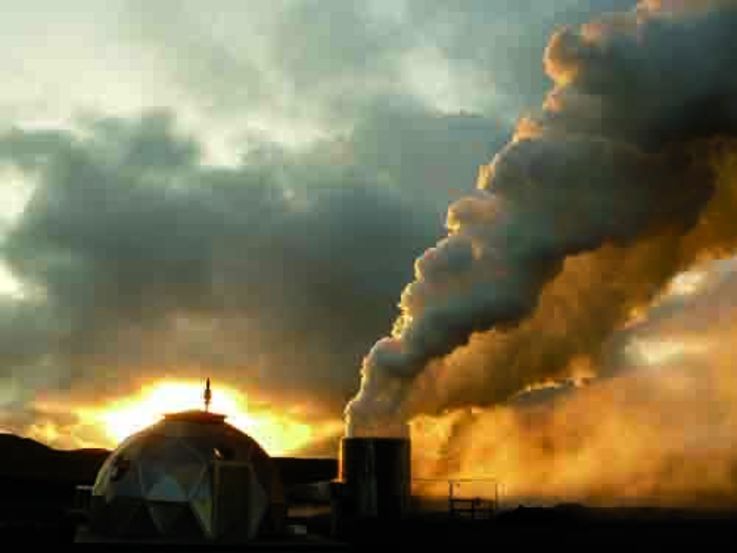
(189, 476)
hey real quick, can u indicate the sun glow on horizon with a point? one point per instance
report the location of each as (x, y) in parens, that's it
(278, 433)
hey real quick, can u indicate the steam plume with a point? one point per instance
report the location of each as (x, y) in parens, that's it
(659, 432)
(618, 170)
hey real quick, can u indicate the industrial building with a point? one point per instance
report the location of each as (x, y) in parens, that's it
(192, 478)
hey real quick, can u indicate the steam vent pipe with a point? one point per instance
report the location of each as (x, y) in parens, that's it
(375, 477)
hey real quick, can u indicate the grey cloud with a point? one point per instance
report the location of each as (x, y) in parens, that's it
(276, 273)
(324, 62)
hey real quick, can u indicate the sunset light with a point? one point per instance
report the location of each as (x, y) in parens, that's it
(278, 433)
(293, 274)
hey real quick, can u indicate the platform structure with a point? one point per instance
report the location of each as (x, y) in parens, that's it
(472, 506)
(468, 498)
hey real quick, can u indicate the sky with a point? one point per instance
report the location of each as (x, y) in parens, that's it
(237, 189)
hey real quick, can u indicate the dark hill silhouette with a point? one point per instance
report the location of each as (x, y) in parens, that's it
(38, 486)
(28, 459)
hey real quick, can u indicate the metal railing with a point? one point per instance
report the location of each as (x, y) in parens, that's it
(464, 505)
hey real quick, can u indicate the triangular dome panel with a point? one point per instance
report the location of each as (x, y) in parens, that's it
(202, 508)
(188, 475)
(167, 489)
(203, 487)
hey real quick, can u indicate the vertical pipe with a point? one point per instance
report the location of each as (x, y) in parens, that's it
(376, 477)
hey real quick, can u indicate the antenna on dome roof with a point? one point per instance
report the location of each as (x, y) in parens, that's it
(207, 396)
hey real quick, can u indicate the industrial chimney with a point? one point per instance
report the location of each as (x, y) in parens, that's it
(375, 479)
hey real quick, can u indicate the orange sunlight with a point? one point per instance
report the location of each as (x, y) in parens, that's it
(278, 433)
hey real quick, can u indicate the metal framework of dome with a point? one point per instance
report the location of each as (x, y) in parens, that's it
(190, 476)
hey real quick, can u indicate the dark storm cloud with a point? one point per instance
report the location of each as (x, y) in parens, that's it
(277, 272)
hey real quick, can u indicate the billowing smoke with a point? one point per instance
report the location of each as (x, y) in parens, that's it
(660, 430)
(615, 186)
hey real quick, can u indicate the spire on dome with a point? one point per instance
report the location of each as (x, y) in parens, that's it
(207, 396)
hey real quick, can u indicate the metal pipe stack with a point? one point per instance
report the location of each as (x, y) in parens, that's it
(375, 478)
